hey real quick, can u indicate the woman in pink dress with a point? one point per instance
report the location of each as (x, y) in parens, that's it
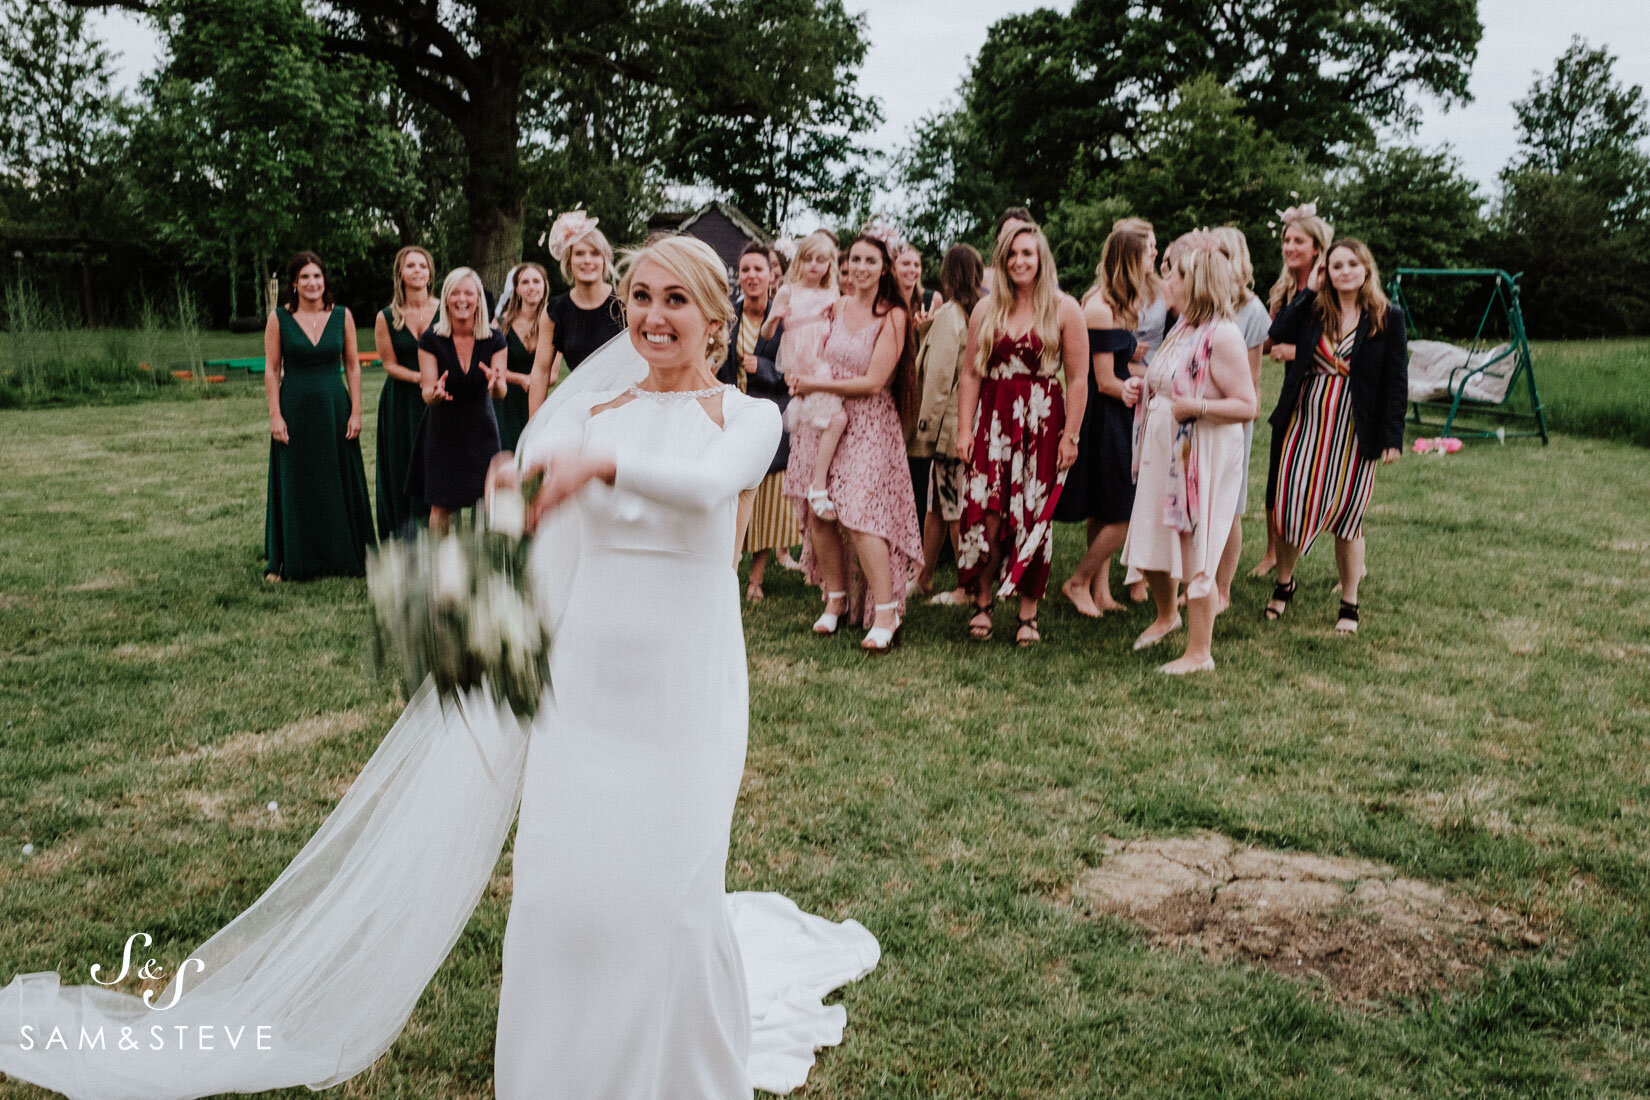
(871, 350)
(1189, 414)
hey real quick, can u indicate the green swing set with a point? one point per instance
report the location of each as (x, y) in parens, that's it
(1485, 384)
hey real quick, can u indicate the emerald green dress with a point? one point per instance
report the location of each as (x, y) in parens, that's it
(400, 411)
(318, 519)
(511, 409)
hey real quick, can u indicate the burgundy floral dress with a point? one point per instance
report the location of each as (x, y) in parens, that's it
(869, 479)
(1017, 430)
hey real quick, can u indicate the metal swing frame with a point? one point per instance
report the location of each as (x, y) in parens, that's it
(1510, 421)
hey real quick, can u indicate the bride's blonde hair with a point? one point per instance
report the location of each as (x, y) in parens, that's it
(1045, 299)
(703, 276)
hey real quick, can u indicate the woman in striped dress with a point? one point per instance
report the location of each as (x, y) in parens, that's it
(751, 366)
(1340, 412)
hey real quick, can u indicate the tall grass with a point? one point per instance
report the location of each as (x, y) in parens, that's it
(52, 361)
(1599, 388)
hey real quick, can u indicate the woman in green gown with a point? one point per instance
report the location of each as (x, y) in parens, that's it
(525, 324)
(401, 405)
(318, 520)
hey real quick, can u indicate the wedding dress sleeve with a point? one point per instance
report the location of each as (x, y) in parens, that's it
(735, 462)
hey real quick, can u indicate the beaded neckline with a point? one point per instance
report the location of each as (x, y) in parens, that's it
(675, 395)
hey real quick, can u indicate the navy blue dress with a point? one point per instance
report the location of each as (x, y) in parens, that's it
(1100, 485)
(458, 438)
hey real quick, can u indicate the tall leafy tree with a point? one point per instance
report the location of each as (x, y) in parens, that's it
(774, 126)
(255, 143)
(1575, 206)
(61, 130)
(1052, 99)
(1412, 206)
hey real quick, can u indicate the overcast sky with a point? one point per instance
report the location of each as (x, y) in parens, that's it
(920, 49)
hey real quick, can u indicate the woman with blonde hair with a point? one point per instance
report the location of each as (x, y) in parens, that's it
(525, 323)
(1254, 322)
(1341, 411)
(1017, 430)
(1192, 403)
(629, 971)
(590, 314)
(401, 404)
(461, 363)
(1306, 238)
(1100, 487)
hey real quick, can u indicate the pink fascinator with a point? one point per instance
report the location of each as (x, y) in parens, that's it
(885, 232)
(565, 231)
(1291, 214)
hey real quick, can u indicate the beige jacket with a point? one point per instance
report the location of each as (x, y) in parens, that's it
(938, 360)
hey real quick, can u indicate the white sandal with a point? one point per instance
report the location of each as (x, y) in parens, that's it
(828, 622)
(820, 501)
(881, 639)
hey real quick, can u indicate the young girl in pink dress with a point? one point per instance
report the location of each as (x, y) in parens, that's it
(803, 304)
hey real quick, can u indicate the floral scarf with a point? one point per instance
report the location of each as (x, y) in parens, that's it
(1190, 379)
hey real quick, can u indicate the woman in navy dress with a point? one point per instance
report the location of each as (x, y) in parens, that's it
(1100, 487)
(461, 364)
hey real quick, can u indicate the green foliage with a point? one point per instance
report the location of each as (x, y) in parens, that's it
(1575, 202)
(1412, 206)
(771, 115)
(255, 143)
(1054, 103)
(61, 132)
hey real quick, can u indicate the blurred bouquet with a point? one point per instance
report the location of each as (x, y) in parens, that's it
(459, 608)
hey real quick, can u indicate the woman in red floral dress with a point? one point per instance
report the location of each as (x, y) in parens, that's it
(1020, 340)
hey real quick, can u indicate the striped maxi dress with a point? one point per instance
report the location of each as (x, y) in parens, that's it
(1324, 483)
(773, 523)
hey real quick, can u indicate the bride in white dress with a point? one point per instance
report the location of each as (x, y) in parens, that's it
(629, 973)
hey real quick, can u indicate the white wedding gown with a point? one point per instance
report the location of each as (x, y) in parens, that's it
(629, 974)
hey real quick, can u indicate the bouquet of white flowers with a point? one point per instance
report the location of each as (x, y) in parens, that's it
(459, 608)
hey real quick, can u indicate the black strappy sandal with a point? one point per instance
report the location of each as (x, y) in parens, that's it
(974, 631)
(1281, 593)
(1028, 624)
(1348, 615)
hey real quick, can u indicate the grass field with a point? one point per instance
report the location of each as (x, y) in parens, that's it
(1487, 731)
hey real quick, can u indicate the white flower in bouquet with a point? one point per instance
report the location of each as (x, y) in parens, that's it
(507, 513)
(451, 582)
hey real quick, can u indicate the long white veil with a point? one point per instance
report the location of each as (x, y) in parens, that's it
(316, 980)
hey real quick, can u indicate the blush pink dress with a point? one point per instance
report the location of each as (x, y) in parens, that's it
(869, 479)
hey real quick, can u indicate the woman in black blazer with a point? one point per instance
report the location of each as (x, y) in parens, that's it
(1341, 411)
(751, 366)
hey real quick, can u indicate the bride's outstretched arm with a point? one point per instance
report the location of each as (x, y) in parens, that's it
(735, 462)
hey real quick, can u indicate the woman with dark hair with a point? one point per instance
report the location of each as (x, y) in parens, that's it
(750, 366)
(1341, 411)
(934, 435)
(1018, 427)
(871, 349)
(401, 404)
(318, 519)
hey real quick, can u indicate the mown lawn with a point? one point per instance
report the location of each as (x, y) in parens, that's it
(1486, 731)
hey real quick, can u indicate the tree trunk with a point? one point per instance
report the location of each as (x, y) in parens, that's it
(491, 132)
(234, 297)
(86, 287)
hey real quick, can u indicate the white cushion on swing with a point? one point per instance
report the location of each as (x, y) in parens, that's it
(1432, 361)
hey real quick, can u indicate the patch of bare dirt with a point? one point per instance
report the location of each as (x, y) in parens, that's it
(248, 745)
(1368, 933)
